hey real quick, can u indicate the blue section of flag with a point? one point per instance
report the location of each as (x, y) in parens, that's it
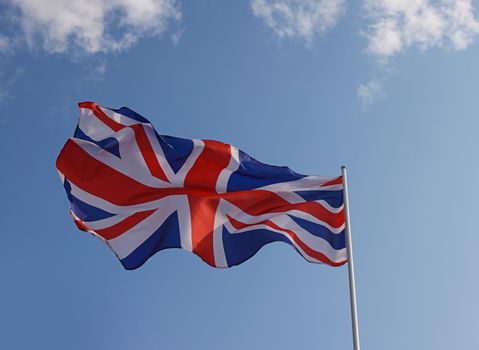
(82, 210)
(333, 198)
(176, 150)
(253, 174)
(166, 236)
(109, 144)
(240, 247)
(336, 240)
(130, 114)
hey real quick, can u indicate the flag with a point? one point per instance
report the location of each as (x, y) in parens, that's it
(141, 192)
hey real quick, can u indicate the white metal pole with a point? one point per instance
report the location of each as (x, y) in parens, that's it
(349, 245)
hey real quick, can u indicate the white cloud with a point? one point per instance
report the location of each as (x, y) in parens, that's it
(94, 72)
(176, 36)
(101, 68)
(8, 77)
(301, 19)
(463, 25)
(91, 26)
(370, 92)
(402, 24)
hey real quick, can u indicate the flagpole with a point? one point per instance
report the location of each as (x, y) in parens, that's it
(349, 245)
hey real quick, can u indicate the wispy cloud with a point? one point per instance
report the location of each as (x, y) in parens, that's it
(94, 72)
(8, 78)
(391, 27)
(90, 26)
(176, 36)
(301, 19)
(399, 25)
(370, 92)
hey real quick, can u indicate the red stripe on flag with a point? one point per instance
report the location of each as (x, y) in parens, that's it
(308, 250)
(103, 181)
(202, 177)
(214, 157)
(337, 181)
(112, 124)
(257, 202)
(124, 225)
(148, 153)
(140, 136)
(80, 224)
(202, 225)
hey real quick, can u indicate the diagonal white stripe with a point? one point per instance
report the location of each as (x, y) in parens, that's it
(223, 178)
(127, 242)
(307, 183)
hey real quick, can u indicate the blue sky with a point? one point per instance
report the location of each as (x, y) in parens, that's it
(388, 88)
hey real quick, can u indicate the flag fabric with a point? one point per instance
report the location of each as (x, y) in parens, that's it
(141, 192)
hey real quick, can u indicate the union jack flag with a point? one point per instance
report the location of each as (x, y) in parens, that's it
(141, 192)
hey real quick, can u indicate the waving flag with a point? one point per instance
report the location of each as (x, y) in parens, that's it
(141, 192)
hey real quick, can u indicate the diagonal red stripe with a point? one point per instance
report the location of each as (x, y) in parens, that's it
(112, 124)
(337, 181)
(311, 252)
(124, 225)
(103, 181)
(148, 153)
(141, 138)
(257, 202)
